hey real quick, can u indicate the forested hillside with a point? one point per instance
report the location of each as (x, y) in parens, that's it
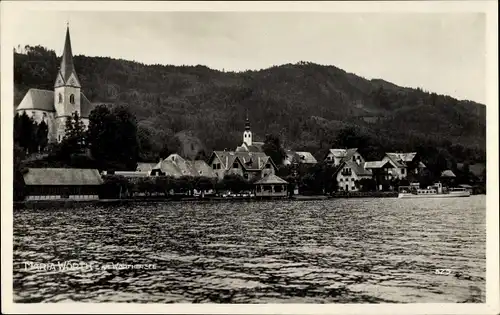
(306, 104)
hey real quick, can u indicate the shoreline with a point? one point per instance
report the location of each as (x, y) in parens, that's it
(43, 204)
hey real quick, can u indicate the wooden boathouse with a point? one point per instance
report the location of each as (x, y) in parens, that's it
(62, 183)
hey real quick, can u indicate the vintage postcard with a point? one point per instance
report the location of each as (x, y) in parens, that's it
(250, 157)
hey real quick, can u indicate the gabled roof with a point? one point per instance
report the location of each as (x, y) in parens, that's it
(169, 168)
(447, 173)
(400, 159)
(62, 176)
(203, 169)
(249, 160)
(255, 147)
(145, 167)
(344, 154)
(85, 106)
(377, 164)
(306, 157)
(359, 170)
(271, 179)
(37, 99)
(176, 166)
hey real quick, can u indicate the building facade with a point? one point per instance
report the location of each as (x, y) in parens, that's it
(62, 184)
(249, 165)
(56, 106)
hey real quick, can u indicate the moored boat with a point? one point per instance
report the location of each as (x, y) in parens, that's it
(434, 191)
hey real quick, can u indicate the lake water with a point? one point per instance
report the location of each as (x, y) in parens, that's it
(329, 251)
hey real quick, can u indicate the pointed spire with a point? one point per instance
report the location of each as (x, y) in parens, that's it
(247, 122)
(67, 67)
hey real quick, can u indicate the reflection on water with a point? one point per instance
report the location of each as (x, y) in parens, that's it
(329, 251)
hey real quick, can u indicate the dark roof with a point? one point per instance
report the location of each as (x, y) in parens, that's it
(249, 160)
(357, 169)
(400, 159)
(85, 106)
(62, 176)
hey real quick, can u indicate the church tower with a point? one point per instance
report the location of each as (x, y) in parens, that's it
(67, 88)
(247, 134)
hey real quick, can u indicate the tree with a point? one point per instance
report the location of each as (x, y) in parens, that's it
(367, 184)
(272, 147)
(74, 137)
(25, 132)
(112, 137)
(42, 132)
(235, 183)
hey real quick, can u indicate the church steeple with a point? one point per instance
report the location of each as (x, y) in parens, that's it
(67, 74)
(247, 123)
(247, 134)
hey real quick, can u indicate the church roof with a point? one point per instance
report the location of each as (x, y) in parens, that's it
(67, 67)
(36, 99)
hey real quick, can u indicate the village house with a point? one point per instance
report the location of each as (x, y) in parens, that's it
(249, 165)
(350, 169)
(349, 173)
(299, 157)
(176, 166)
(381, 171)
(62, 183)
(56, 106)
(404, 164)
(335, 157)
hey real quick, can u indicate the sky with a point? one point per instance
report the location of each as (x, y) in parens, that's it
(438, 52)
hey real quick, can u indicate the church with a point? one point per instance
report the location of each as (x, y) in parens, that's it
(248, 144)
(54, 107)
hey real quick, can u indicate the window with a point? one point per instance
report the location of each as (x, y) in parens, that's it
(60, 98)
(245, 176)
(402, 171)
(72, 99)
(341, 179)
(235, 165)
(354, 159)
(268, 165)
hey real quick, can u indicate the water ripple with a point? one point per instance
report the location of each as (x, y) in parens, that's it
(329, 251)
